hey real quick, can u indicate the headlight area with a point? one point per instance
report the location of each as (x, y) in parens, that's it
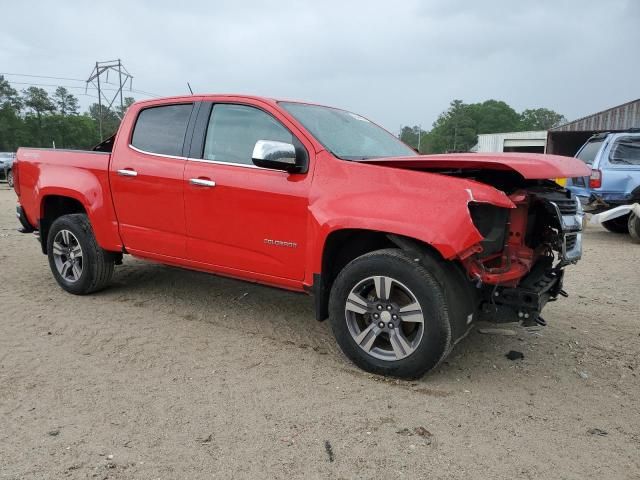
(519, 265)
(491, 222)
(502, 257)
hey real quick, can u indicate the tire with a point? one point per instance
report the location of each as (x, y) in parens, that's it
(417, 347)
(10, 178)
(634, 227)
(71, 242)
(617, 225)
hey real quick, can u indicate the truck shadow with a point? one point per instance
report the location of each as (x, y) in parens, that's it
(279, 316)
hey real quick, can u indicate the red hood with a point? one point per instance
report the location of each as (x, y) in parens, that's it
(529, 165)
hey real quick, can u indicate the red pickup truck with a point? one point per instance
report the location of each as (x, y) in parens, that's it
(401, 251)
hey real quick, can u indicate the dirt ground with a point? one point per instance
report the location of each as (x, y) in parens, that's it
(177, 374)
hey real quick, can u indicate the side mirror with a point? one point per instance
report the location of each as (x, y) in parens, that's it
(276, 155)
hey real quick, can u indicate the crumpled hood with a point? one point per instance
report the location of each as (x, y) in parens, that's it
(529, 165)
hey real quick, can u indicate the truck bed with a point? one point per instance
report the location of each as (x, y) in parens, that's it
(82, 175)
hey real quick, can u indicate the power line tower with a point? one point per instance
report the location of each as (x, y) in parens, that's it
(99, 76)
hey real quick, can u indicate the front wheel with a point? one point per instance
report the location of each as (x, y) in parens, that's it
(10, 178)
(77, 262)
(389, 315)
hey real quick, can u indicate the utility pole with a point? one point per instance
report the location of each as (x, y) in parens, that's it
(419, 135)
(102, 69)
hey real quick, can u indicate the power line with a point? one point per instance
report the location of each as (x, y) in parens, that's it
(55, 86)
(41, 76)
(142, 92)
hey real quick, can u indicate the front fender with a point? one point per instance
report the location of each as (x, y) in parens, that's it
(428, 207)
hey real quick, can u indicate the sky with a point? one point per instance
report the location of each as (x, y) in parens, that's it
(396, 62)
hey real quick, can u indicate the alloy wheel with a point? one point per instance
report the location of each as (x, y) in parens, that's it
(67, 255)
(384, 318)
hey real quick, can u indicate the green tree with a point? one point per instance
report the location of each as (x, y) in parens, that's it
(40, 104)
(411, 136)
(540, 119)
(65, 102)
(128, 101)
(108, 117)
(9, 97)
(453, 131)
(11, 125)
(494, 116)
(71, 131)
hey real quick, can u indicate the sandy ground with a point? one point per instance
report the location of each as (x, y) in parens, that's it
(177, 374)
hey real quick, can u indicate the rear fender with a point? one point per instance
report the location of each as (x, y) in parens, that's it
(92, 192)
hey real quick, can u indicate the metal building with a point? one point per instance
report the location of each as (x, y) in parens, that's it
(568, 138)
(531, 141)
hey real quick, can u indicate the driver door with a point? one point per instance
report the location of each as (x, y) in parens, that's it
(240, 217)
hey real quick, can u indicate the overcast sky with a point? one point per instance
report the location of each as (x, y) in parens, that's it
(396, 62)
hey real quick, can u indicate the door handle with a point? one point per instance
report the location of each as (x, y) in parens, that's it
(201, 182)
(127, 172)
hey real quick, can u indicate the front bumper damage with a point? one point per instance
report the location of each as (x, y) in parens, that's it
(530, 272)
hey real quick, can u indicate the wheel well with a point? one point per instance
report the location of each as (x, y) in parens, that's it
(54, 206)
(343, 246)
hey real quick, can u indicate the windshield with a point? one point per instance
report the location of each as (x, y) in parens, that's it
(626, 150)
(345, 134)
(588, 153)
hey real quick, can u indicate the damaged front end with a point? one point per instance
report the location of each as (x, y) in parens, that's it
(518, 267)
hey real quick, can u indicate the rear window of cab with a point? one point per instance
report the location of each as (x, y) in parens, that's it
(162, 129)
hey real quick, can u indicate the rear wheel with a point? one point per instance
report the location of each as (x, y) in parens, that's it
(10, 178)
(634, 227)
(389, 315)
(77, 262)
(617, 225)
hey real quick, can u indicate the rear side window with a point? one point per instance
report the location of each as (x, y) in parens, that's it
(626, 151)
(588, 153)
(162, 129)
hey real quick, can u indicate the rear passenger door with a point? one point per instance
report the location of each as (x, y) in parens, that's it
(147, 186)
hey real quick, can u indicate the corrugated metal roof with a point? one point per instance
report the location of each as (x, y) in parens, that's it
(621, 117)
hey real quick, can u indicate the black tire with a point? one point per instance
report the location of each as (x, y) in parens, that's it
(634, 227)
(617, 225)
(435, 342)
(10, 178)
(97, 264)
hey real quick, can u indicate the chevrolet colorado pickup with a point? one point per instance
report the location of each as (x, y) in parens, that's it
(401, 251)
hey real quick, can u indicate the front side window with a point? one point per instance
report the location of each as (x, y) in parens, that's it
(626, 151)
(234, 130)
(162, 129)
(345, 134)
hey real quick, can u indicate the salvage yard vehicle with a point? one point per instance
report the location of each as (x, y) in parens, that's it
(612, 191)
(6, 165)
(401, 251)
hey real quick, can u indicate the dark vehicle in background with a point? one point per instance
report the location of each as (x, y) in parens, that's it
(6, 166)
(612, 192)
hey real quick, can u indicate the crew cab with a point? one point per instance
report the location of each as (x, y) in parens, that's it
(401, 251)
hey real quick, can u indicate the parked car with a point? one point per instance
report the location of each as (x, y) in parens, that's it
(401, 251)
(6, 164)
(614, 183)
